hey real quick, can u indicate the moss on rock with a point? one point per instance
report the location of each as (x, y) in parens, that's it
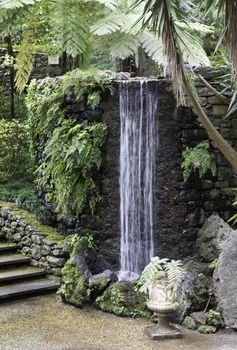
(123, 299)
(189, 323)
(48, 232)
(207, 329)
(214, 318)
(73, 289)
(76, 274)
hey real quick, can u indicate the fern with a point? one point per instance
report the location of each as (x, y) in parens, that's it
(174, 272)
(125, 33)
(109, 24)
(150, 272)
(198, 158)
(153, 47)
(123, 46)
(71, 151)
(172, 268)
(71, 27)
(24, 62)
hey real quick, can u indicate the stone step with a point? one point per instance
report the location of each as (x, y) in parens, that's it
(13, 259)
(5, 247)
(28, 288)
(11, 275)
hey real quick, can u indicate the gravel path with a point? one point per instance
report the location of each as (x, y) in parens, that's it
(45, 323)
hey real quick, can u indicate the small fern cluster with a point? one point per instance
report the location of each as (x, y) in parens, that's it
(71, 151)
(198, 158)
(171, 268)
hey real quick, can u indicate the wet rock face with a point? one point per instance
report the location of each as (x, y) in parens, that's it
(225, 281)
(211, 237)
(181, 206)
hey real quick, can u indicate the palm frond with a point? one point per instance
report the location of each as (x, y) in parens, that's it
(24, 62)
(160, 16)
(11, 4)
(231, 32)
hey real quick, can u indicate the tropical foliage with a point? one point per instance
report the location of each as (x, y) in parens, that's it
(121, 25)
(161, 17)
(71, 151)
(15, 160)
(198, 159)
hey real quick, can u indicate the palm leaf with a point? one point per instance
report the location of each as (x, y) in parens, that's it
(24, 62)
(11, 4)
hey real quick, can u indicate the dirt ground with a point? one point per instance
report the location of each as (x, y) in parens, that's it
(45, 323)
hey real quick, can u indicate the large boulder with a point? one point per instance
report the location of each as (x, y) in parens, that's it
(195, 290)
(211, 236)
(98, 283)
(225, 281)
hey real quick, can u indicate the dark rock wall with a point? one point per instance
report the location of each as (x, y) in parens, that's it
(181, 206)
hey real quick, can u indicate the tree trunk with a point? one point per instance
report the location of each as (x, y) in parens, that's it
(8, 41)
(228, 152)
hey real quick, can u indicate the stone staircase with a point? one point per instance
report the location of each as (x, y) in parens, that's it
(18, 278)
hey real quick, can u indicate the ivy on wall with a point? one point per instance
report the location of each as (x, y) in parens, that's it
(70, 151)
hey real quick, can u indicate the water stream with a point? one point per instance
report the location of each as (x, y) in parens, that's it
(138, 145)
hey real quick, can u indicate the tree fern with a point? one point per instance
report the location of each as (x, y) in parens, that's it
(24, 62)
(124, 31)
(71, 27)
(109, 24)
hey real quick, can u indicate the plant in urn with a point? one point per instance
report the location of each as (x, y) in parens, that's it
(161, 279)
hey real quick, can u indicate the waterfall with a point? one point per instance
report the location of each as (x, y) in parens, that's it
(138, 145)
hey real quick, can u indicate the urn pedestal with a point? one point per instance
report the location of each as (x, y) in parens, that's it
(163, 329)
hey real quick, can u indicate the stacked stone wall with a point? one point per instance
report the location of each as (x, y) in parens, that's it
(45, 253)
(41, 69)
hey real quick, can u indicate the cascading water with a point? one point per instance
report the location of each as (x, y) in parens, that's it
(138, 145)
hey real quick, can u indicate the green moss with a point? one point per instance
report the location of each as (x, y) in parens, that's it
(214, 318)
(123, 299)
(207, 329)
(48, 232)
(73, 289)
(189, 323)
(205, 250)
(75, 274)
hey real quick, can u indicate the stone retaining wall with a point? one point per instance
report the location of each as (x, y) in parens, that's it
(44, 253)
(41, 69)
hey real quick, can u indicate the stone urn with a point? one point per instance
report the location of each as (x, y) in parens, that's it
(162, 301)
